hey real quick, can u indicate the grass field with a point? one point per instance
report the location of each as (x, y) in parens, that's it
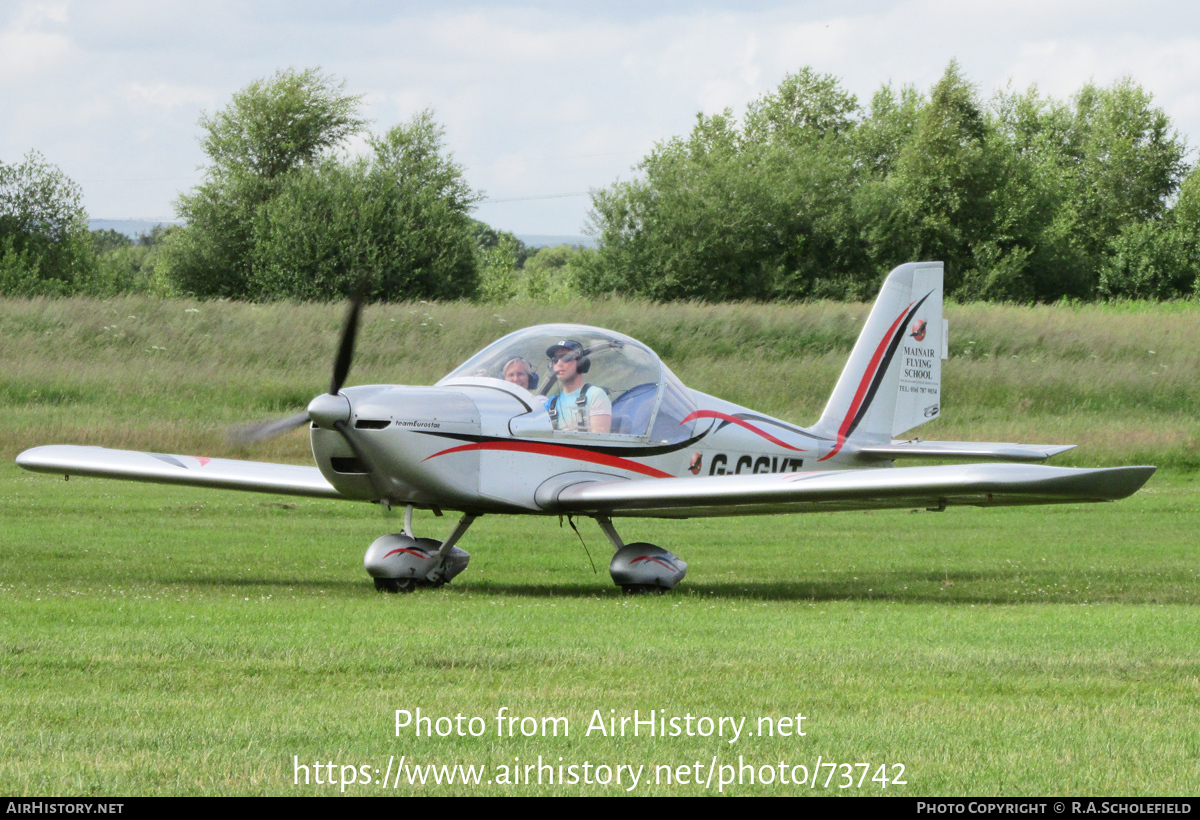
(158, 641)
(162, 640)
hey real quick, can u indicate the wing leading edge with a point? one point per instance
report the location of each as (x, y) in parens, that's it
(984, 485)
(159, 468)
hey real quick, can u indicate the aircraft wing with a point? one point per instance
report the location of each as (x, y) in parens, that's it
(948, 450)
(984, 485)
(158, 468)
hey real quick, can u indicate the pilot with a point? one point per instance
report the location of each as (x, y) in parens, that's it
(580, 406)
(519, 372)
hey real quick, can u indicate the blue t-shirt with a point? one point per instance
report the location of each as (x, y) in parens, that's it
(571, 416)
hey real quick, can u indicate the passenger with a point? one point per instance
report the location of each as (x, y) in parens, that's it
(519, 372)
(582, 407)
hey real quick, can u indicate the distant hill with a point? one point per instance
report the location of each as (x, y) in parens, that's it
(133, 228)
(542, 241)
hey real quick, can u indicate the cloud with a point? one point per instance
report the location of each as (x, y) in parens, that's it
(27, 49)
(537, 98)
(167, 95)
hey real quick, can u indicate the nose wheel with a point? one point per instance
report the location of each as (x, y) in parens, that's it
(395, 585)
(401, 562)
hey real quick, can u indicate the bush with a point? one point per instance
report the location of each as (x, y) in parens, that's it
(1149, 260)
(45, 248)
(397, 218)
(281, 216)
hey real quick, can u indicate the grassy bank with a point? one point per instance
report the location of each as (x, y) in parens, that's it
(170, 375)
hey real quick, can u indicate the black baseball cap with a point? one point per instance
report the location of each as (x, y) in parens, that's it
(568, 344)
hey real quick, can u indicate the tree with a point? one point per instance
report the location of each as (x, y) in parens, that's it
(806, 106)
(1031, 137)
(126, 266)
(281, 215)
(1128, 160)
(498, 270)
(887, 126)
(1157, 259)
(398, 217)
(1024, 199)
(270, 129)
(105, 240)
(553, 274)
(1185, 223)
(752, 210)
(488, 238)
(274, 126)
(1147, 260)
(944, 175)
(1103, 170)
(44, 243)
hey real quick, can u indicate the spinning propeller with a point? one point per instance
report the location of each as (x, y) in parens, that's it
(255, 432)
(331, 410)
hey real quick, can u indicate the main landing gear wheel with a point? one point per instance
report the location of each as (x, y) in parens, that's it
(643, 589)
(641, 568)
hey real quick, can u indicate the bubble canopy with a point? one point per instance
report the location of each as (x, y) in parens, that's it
(648, 401)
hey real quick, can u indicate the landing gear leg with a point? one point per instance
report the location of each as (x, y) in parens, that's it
(606, 524)
(450, 559)
(641, 567)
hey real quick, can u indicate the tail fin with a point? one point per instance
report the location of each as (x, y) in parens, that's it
(893, 379)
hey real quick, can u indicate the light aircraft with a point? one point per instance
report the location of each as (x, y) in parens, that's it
(644, 444)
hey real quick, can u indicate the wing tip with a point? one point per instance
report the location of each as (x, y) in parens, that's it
(31, 459)
(1131, 479)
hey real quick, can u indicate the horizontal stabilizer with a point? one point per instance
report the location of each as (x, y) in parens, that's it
(998, 451)
(983, 485)
(158, 468)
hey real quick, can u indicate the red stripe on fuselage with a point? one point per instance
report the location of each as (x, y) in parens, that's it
(863, 385)
(713, 414)
(558, 451)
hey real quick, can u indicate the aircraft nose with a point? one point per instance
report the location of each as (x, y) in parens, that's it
(326, 410)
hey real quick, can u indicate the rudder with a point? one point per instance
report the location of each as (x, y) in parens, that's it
(892, 381)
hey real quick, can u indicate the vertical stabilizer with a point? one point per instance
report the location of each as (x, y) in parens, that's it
(892, 381)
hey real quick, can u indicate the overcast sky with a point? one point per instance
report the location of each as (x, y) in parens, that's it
(541, 102)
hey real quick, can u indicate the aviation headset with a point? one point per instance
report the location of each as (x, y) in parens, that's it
(533, 375)
(583, 363)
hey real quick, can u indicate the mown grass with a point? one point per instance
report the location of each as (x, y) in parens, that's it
(162, 640)
(169, 641)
